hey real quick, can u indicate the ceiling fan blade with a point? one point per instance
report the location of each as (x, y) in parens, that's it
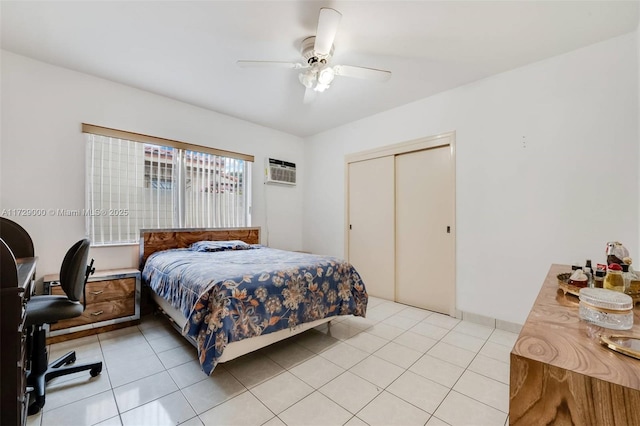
(309, 95)
(362, 72)
(326, 32)
(271, 64)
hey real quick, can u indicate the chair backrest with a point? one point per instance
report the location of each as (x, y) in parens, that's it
(15, 236)
(73, 271)
(8, 268)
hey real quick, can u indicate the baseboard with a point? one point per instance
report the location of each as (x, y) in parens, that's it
(492, 322)
(509, 326)
(482, 320)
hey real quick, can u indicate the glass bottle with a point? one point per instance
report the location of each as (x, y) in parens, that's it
(598, 279)
(627, 277)
(613, 280)
(589, 272)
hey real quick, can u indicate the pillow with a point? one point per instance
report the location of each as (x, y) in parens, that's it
(213, 246)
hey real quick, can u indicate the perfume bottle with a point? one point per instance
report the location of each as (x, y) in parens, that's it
(613, 280)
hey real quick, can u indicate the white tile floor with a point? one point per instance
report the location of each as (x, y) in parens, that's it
(399, 366)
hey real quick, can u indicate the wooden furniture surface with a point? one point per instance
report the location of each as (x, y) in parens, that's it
(561, 374)
(14, 401)
(153, 240)
(113, 301)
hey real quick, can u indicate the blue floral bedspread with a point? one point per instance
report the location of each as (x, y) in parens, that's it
(232, 295)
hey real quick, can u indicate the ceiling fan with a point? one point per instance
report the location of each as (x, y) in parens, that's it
(317, 50)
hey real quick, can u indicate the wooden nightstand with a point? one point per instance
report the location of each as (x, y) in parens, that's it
(113, 301)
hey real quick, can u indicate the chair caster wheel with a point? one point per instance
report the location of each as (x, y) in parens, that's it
(33, 409)
(35, 406)
(95, 371)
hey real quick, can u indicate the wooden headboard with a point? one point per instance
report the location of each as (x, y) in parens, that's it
(153, 240)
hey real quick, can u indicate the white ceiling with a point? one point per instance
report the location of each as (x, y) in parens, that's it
(187, 50)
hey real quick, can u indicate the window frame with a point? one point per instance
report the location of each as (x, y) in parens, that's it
(180, 221)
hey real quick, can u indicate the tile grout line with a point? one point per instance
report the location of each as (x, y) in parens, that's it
(319, 353)
(405, 370)
(170, 376)
(452, 386)
(466, 368)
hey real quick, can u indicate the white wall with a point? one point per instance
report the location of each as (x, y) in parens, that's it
(546, 171)
(557, 200)
(42, 162)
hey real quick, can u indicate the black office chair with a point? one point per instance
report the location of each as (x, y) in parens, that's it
(18, 240)
(49, 309)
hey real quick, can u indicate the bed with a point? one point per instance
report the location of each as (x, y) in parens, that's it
(229, 295)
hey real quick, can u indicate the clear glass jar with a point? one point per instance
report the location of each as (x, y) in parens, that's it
(606, 308)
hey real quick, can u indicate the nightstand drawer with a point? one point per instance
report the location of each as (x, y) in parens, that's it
(103, 291)
(101, 311)
(113, 301)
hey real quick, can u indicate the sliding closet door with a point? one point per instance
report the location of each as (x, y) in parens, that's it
(425, 251)
(371, 224)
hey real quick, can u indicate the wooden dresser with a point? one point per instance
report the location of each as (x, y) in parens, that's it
(13, 358)
(561, 374)
(113, 301)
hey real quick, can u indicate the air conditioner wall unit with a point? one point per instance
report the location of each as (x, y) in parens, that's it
(279, 171)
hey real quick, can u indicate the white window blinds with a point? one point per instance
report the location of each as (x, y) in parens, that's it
(215, 191)
(133, 185)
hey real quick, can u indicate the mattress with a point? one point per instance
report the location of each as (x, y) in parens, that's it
(239, 292)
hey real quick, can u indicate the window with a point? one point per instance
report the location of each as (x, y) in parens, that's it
(136, 181)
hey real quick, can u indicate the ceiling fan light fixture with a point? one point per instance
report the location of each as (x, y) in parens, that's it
(307, 78)
(321, 87)
(326, 75)
(317, 78)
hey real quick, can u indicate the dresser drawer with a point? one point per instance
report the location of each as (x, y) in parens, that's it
(100, 311)
(103, 291)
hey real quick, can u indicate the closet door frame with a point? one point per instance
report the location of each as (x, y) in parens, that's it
(440, 140)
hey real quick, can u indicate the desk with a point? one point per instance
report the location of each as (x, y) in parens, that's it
(14, 399)
(561, 374)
